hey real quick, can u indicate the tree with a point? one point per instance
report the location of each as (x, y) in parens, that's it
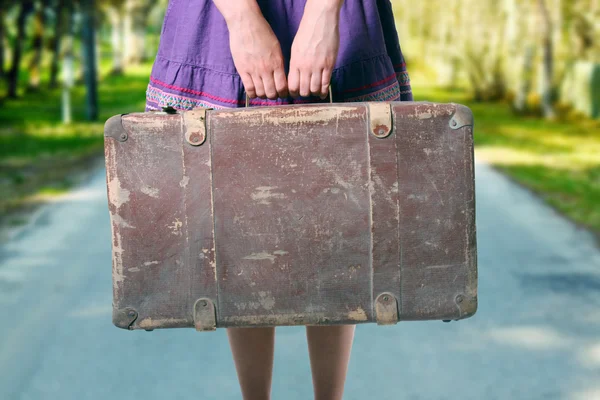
(128, 20)
(547, 88)
(13, 74)
(89, 45)
(136, 17)
(63, 11)
(114, 10)
(513, 49)
(525, 46)
(37, 44)
(3, 8)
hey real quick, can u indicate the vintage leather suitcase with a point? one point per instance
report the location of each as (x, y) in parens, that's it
(292, 215)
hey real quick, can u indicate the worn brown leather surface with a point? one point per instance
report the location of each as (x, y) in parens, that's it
(292, 215)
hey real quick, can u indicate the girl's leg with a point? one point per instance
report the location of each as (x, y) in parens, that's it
(329, 348)
(252, 350)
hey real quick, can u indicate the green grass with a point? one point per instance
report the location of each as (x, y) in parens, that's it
(38, 153)
(558, 160)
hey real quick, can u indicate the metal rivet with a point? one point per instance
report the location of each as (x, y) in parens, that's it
(131, 313)
(459, 298)
(382, 132)
(386, 298)
(454, 123)
(204, 303)
(195, 138)
(123, 136)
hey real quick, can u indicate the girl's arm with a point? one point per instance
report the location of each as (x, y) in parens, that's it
(255, 49)
(315, 48)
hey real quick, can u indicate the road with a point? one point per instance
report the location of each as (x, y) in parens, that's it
(536, 334)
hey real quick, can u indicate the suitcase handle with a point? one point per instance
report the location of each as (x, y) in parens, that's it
(330, 98)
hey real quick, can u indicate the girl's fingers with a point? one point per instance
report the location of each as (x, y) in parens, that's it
(298, 83)
(325, 82)
(304, 83)
(294, 82)
(248, 85)
(259, 86)
(315, 83)
(281, 84)
(269, 85)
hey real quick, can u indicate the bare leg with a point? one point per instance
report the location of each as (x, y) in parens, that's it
(252, 350)
(329, 348)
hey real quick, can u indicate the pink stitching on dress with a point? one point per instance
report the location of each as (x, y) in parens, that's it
(185, 90)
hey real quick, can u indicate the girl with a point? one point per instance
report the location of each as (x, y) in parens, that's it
(213, 53)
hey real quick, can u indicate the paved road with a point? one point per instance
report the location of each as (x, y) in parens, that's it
(536, 335)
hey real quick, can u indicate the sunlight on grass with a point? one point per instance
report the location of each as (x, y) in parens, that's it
(36, 148)
(506, 156)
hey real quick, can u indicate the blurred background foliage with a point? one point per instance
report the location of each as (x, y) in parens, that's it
(529, 69)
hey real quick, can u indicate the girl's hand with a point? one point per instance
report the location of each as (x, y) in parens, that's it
(255, 49)
(315, 49)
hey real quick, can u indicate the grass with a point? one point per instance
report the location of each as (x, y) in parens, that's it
(38, 154)
(558, 160)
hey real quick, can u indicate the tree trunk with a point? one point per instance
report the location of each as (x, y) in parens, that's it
(115, 16)
(454, 54)
(547, 60)
(68, 59)
(13, 74)
(136, 16)
(443, 49)
(63, 14)
(89, 45)
(528, 48)
(526, 79)
(2, 34)
(498, 82)
(422, 29)
(37, 45)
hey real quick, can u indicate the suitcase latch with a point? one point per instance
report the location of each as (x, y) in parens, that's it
(386, 309)
(380, 119)
(194, 123)
(205, 318)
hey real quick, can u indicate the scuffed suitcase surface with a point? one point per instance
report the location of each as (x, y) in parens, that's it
(437, 203)
(162, 262)
(316, 220)
(292, 215)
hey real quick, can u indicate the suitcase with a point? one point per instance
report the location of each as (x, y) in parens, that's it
(314, 214)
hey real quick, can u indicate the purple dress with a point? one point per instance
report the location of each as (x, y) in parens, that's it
(194, 66)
